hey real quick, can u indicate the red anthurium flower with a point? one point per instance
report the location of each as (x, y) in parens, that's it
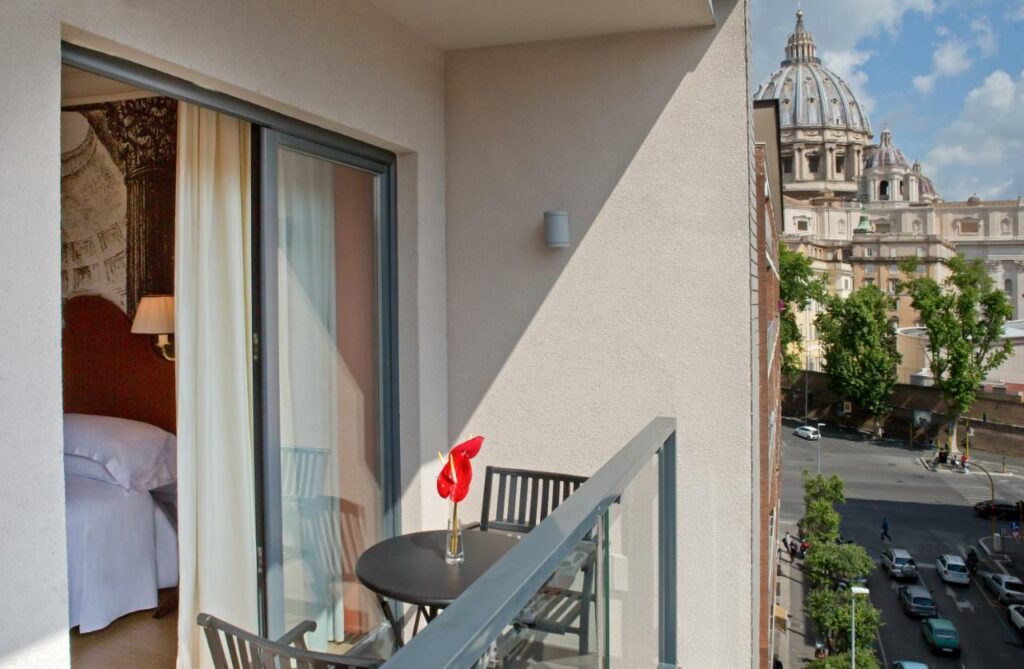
(457, 473)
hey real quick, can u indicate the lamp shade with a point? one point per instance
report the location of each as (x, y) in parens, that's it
(155, 315)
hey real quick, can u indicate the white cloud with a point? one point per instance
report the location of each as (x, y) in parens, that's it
(837, 25)
(847, 64)
(985, 145)
(949, 59)
(1016, 14)
(985, 37)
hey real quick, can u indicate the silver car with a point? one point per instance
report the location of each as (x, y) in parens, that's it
(1007, 589)
(899, 563)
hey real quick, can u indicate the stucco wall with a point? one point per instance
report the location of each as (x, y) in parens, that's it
(33, 589)
(560, 356)
(341, 64)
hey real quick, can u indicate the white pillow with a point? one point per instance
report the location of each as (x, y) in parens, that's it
(138, 456)
(84, 468)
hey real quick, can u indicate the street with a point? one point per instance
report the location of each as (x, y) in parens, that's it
(929, 513)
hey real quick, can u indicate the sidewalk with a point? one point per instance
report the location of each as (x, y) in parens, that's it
(795, 647)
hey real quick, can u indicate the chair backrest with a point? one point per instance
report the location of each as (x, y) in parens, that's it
(234, 648)
(302, 471)
(516, 500)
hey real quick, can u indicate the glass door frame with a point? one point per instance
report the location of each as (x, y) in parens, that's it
(266, 410)
(334, 146)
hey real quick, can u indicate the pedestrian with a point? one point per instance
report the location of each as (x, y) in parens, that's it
(885, 530)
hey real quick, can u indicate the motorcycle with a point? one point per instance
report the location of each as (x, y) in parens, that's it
(972, 561)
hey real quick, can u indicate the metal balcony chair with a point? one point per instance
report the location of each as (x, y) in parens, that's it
(234, 648)
(516, 500)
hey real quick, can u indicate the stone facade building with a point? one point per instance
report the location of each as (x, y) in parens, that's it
(856, 207)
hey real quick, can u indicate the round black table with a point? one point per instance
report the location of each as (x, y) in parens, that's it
(411, 568)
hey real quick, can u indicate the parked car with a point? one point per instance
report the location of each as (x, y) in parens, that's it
(1000, 509)
(952, 569)
(941, 636)
(807, 432)
(899, 563)
(1007, 589)
(1016, 615)
(907, 664)
(843, 583)
(917, 601)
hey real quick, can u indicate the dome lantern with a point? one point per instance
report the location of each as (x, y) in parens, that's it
(800, 47)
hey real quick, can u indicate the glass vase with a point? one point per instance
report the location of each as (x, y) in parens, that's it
(453, 547)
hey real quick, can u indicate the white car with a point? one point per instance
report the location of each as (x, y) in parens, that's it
(1007, 589)
(952, 569)
(807, 432)
(1016, 615)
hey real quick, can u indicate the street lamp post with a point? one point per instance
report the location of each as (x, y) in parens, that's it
(855, 590)
(807, 350)
(818, 442)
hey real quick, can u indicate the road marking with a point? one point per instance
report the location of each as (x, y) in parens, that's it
(960, 606)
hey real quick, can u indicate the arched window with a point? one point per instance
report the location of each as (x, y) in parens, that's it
(883, 190)
(1008, 286)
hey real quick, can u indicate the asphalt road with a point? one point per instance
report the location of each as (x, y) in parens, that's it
(929, 513)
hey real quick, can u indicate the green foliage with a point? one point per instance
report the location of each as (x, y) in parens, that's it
(820, 523)
(818, 486)
(798, 285)
(826, 562)
(829, 610)
(866, 659)
(964, 319)
(860, 348)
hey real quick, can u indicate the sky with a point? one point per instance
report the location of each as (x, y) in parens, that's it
(946, 75)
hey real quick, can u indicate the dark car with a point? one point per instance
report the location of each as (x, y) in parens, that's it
(917, 601)
(1000, 509)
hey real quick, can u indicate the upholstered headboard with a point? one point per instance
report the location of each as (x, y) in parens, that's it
(109, 371)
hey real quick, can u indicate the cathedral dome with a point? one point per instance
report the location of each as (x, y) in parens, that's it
(886, 154)
(809, 94)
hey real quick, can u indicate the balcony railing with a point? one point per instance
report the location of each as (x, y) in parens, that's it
(634, 533)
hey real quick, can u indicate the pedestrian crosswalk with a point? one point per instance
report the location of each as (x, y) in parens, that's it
(974, 487)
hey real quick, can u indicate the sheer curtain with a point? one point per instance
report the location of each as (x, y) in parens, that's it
(309, 367)
(216, 515)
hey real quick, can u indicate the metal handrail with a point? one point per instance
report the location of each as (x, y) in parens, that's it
(461, 636)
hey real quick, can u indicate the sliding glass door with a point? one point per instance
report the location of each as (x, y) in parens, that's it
(326, 324)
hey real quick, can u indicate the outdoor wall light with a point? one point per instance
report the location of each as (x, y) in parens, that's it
(155, 316)
(556, 229)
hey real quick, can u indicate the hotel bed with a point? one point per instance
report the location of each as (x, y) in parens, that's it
(118, 445)
(121, 545)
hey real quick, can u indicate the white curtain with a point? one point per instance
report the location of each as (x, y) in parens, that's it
(216, 515)
(309, 367)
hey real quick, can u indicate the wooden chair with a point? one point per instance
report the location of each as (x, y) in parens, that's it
(516, 500)
(248, 651)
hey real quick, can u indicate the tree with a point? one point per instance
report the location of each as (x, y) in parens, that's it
(964, 320)
(818, 486)
(829, 610)
(798, 285)
(860, 348)
(865, 660)
(828, 563)
(820, 523)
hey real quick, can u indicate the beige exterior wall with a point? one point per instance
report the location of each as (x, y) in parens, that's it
(342, 65)
(560, 356)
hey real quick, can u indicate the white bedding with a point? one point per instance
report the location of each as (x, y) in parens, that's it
(121, 549)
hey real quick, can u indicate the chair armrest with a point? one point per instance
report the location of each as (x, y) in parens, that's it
(296, 636)
(475, 525)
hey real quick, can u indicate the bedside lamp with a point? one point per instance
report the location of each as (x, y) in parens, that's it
(155, 315)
